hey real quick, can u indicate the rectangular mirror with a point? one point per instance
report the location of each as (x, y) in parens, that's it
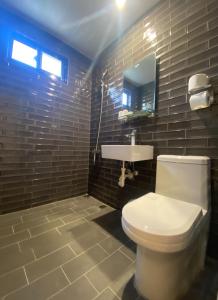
(139, 87)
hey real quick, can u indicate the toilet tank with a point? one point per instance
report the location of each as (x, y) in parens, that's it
(185, 178)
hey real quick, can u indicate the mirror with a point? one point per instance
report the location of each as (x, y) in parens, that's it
(139, 88)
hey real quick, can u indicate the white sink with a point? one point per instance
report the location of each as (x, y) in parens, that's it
(127, 152)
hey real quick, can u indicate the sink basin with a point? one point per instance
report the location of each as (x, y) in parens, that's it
(127, 152)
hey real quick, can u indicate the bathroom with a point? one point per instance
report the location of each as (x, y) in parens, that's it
(94, 185)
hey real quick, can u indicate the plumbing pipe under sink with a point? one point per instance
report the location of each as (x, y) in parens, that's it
(126, 173)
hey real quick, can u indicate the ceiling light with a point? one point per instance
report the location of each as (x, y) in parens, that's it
(120, 4)
(150, 35)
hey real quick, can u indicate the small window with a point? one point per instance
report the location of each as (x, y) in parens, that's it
(126, 99)
(25, 54)
(51, 64)
(30, 53)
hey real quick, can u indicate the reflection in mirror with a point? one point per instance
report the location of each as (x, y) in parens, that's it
(139, 87)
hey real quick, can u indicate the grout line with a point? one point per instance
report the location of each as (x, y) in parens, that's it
(86, 221)
(58, 292)
(99, 294)
(103, 248)
(34, 255)
(19, 246)
(120, 250)
(13, 243)
(65, 275)
(60, 266)
(28, 230)
(74, 252)
(93, 267)
(79, 220)
(107, 257)
(14, 291)
(44, 256)
(113, 292)
(47, 219)
(72, 282)
(66, 223)
(45, 231)
(97, 291)
(28, 283)
(11, 271)
(57, 230)
(41, 233)
(52, 252)
(13, 229)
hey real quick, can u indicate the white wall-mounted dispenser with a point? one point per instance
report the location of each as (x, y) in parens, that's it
(201, 92)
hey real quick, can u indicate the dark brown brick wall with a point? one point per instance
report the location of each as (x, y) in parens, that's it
(186, 43)
(44, 125)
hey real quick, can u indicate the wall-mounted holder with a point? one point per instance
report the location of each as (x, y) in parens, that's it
(201, 92)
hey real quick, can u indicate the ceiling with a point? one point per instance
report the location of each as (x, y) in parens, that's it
(87, 25)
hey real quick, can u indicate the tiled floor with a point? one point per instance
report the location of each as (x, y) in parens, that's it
(74, 249)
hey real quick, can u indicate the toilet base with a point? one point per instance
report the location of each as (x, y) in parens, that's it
(164, 276)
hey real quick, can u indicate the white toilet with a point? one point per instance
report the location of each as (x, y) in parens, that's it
(170, 227)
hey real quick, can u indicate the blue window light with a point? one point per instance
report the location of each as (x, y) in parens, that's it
(33, 55)
(24, 53)
(125, 99)
(51, 64)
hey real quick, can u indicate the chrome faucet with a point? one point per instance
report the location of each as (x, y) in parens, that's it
(132, 136)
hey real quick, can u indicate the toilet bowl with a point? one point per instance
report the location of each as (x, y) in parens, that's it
(170, 227)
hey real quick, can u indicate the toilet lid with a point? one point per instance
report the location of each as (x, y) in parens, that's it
(161, 218)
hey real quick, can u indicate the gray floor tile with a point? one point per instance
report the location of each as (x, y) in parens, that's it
(11, 258)
(7, 220)
(109, 271)
(12, 281)
(124, 285)
(107, 295)
(129, 251)
(14, 238)
(76, 228)
(109, 220)
(46, 264)
(71, 217)
(85, 224)
(69, 202)
(95, 217)
(84, 262)
(111, 244)
(42, 288)
(45, 227)
(60, 212)
(83, 236)
(68, 230)
(29, 224)
(96, 209)
(7, 230)
(80, 290)
(120, 235)
(44, 243)
(36, 214)
(85, 203)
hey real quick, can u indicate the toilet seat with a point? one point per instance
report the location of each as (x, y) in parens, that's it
(161, 223)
